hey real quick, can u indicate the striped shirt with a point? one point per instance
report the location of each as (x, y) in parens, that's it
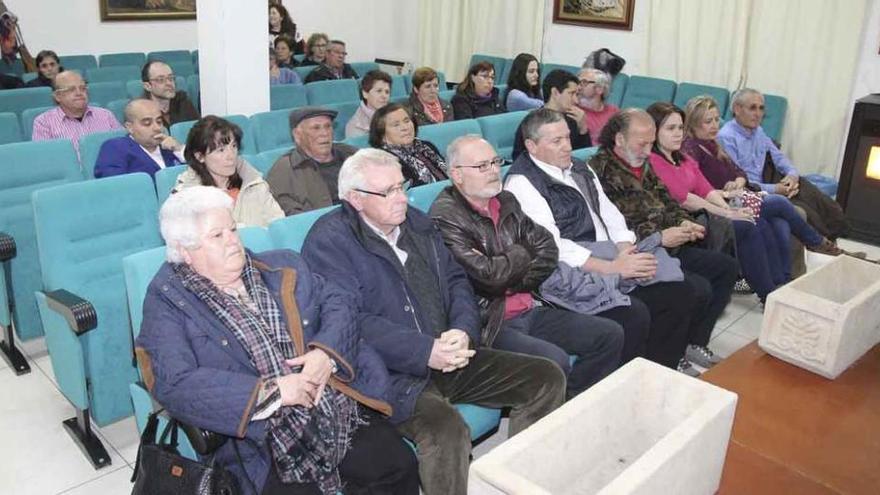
(54, 124)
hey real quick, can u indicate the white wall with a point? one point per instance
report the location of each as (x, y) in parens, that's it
(566, 44)
(72, 27)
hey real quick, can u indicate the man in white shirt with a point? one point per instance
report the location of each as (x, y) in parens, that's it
(147, 148)
(564, 196)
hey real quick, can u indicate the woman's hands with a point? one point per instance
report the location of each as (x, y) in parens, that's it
(306, 387)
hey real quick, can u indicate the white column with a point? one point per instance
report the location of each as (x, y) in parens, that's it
(233, 56)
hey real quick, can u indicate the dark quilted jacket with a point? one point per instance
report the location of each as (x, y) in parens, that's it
(195, 368)
(646, 204)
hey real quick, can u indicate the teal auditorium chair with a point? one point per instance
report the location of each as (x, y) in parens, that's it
(363, 67)
(180, 131)
(618, 88)
(84, 230)
(344, 113)
(399, 86)
(10, 129)
(19, 100)
(134, 88)
(102, 93)
(642, 91)
(441, 82)
(266, 159)
(165, 181)
(118, 108)
(16, 68)
(78, 62)
(27, 166)
(423, 196)
(28, 76)
(126, 58)
(686, 91)
(195, 58)
(171, 56)
(90, 147)
(546, 68)
(774, 115)
(283, 96)
(500, 64)
(446, 94)
(290, 232)
(502, 76)
(335, 91)
(121, 73)
(27, 120)
(193, 88)
(271, 130)
(182, 68)
(500, 131)
(302, 72)
(443, 134)
(584, 154)
(362, 141)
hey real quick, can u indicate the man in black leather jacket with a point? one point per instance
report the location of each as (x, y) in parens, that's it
(507, 256)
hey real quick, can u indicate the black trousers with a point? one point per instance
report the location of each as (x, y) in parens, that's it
(711, 275)
(378, 463)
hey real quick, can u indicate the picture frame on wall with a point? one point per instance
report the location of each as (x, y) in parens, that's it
(147, 10)
(610, 14)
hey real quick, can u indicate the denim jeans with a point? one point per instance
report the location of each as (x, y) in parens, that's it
(759, 256)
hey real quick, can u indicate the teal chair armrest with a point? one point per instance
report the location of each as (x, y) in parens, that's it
(64, 346)
(7, 247)
(79, 313)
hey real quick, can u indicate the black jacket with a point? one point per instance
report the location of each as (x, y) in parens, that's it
(325, 73)
(517, 256)
(469, 106)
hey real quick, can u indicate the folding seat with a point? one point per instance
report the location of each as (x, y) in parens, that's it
(398, 85)
(271, 130)
(362, 141)
(165, 181)
(19, 100)
(546, 68)
(423, 196)
(500, 131)
(642, 91)
(502, 76)
(171, 56)
(118, 108)
(304, 71)
(618, 88)
(134, 88)
(122, 73)
(584, 154)
(500, 64)
(78, 62)
(363, 67)
(268, 158)
(335, 91)
(27, 166)
(10, 129)
(443, 134)
(127, 58)
(16, 68)
(344, 113)
(27, 120)
(101, 93)
(446, 94)
(28, 76)
(90, 147)
(774, 115)
(441, 82)
(180, 131)
(288, 96)
(290, 232)
(182, 68)
(193, 89)
(84, 230)
(686, 91)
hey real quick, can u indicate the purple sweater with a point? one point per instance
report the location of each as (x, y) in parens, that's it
(718, 171)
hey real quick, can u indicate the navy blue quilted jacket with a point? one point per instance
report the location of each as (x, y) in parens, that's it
(339, 248)
(195, 368)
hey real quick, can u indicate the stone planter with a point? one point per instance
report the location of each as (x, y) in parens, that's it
(644, 429)
(825, 320)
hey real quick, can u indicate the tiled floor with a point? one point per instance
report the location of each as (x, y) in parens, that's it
(39, 458)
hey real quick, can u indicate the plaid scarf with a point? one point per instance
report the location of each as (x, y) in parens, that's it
(307, 445)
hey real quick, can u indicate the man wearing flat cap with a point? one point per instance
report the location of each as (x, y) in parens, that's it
(305, 178)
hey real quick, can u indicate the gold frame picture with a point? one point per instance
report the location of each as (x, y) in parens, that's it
(147, 10)
(610, 14)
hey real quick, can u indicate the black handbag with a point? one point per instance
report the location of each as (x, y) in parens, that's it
(161, 470)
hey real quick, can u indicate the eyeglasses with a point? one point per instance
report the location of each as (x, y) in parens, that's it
(82, 88)
(401, 188)
(485, 165)
(163, 79)
(488, 77)
(340, 53)
(586, 82)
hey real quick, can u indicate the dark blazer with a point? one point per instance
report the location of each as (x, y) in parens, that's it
(123, 155)
(468, 106)
(195, 367)
(325, 73)
(343, 248)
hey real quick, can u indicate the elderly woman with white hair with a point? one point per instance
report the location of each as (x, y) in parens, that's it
(594, 86)
(257, 348)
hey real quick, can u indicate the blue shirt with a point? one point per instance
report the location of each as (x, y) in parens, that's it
(748, 148)
(517, 100)
(286, 76)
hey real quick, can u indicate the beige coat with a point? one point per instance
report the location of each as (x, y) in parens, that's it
(255, 205)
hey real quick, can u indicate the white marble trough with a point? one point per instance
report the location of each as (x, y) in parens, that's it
(644, 430)
(825, 320)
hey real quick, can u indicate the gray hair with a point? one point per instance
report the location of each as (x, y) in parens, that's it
(741, 94)
(351, 175)
(453, 151)
(531, 125)
(180, 215)
(600, 77)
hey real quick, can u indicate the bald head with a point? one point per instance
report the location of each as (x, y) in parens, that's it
(143, 120)
(71, 93)
(475, 168)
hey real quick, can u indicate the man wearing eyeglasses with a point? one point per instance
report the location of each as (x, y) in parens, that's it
(73, 118)
(161, 87)
(417, 309)
(507, 256)
(334, 66)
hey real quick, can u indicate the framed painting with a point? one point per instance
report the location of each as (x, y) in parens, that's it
(611, 14)
(147, 10)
